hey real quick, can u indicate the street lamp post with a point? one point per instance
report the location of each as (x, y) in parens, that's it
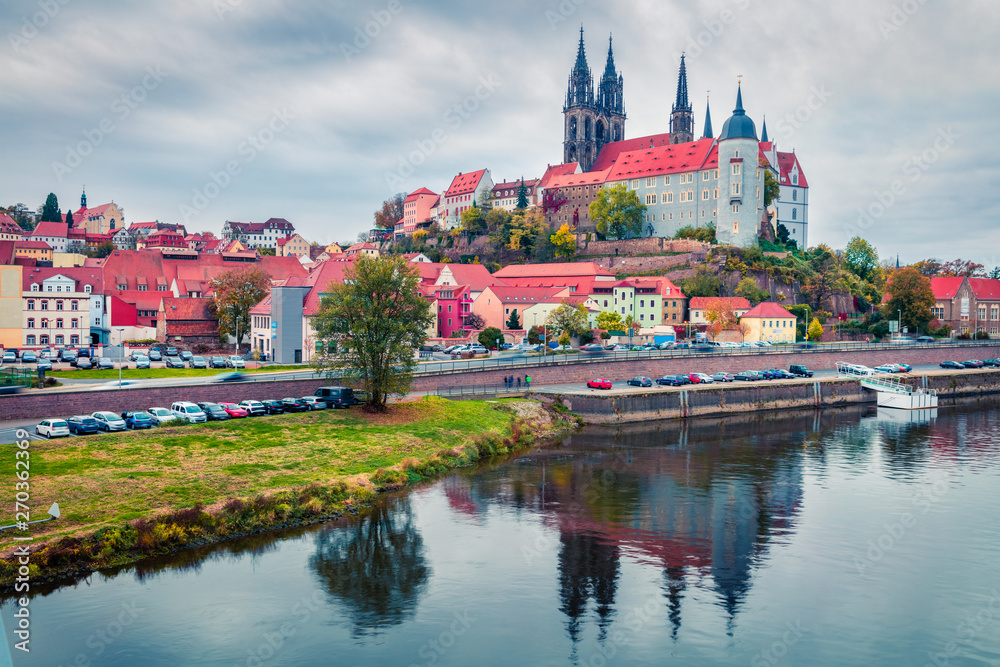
(899, 324)
(121, 361)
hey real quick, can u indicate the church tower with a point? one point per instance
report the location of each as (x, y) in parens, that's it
(741, 181)
(681, 118)
(589, 121)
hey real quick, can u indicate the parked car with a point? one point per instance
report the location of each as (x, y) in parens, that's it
(185, 355)
(52, 428)
(640, 381)
(748, 376)
(887, 368)
(253, 408)
(722, 377)
(294, 405)
(142, 362)
(9, 358)
(174, 362)
(799, 370)
(233, 410)
(109, 421)
(703, 378)
(973, 363)
(197, 362)
(273, 407)
(599, 383)
(28, 357)
(906, 368)
(671, 381)
(83, 364)
(83, 352)
(155, 355)
(67, 356)
(171, 351)
(478, 349)
(43, 365)
(951, 364)
(214, 411)
(138, 419)
(314, 402)
(82, 425)
(235, 361)
(768, 374)
(781, 374)
(218, 362)
(995, 363)
(104, 364)
(336, 397)
(187, 411)
(592, 347)
(161, 415)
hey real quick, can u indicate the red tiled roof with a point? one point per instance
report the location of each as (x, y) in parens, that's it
(564, 169)
(767, 309)
(413, 196)
(556, 270)
(734, 302)
(187, 309)
(6, 252)
(524, 295)
(262, 308)
(669, 159)
(9, 226)
(609, 152)
(320, 277)
(945, 287)
(585, 178)
(785, 163)
(53, 229)
(529, 185)
(476, 276)
(33, 245)
(985, 288)
(465, 183)
(83, 276)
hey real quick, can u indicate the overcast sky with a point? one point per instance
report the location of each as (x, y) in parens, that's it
(199, 111)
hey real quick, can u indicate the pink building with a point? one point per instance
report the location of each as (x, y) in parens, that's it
(451, 305)
(417, 208)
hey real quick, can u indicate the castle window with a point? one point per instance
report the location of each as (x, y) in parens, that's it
(758, 192)
(682, 215)
(737, 154)
(704, 195)
(715, 195)
(736, 169)
(651, 182)
(704, 175)
(736, 227)
(666, 180)
(634, 184)
(736, 208)
(651, 199)
(736, 189)
(670, 197)
(31, 304)
(795, 195)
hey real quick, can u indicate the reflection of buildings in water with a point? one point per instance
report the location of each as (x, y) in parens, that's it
(588, 569)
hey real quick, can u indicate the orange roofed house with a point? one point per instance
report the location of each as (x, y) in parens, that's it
(769, 322)
(700, 305)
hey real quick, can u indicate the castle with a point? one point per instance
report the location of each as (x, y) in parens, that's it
(683, 181)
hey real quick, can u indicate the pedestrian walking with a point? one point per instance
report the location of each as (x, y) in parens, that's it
(527, 381)
(518, 381)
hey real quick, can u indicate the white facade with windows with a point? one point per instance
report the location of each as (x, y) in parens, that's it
(56, 314)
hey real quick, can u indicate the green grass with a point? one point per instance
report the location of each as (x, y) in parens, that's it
(154, 373)
(97, 480)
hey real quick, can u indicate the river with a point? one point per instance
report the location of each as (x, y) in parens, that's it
(843, 537)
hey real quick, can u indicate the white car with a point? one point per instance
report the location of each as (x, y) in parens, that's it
(161, 415)
(9, 358)
(235, 362)
(186, 411)
(52, 428)
(109, 421)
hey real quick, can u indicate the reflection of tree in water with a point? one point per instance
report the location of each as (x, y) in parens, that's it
(375, 567)
(588, 568)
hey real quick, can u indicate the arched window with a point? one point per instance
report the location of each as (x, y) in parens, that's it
(795, 195)
(794, 213)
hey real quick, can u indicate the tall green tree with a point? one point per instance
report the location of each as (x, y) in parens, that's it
(522, 196)
(491, 338)
(514, 321)
(704, 282)
(569, 318)
(235, 292)
(861, 257)
(50, 210)
(747, 288)
(376, 318)
(618, 212)
(910, 292)
(69, 217)
(995, 273)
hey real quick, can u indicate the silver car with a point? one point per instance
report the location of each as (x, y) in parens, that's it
(109, 421)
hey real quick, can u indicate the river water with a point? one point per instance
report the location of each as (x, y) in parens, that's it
(845, 537)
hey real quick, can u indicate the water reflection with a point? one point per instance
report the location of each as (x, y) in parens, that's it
(376, 568)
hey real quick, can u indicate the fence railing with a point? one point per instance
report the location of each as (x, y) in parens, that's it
(478, 390)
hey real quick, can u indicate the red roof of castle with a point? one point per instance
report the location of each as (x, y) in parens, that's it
(54, 229)
(609, 152)
(767, 309)
(669, 159)
(465, 183)
(785, 163)
(564, 169)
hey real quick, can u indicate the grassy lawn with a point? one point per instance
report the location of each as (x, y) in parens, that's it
(108, 479)
(151, 373)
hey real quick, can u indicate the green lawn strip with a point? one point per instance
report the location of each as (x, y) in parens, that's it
(103, 480)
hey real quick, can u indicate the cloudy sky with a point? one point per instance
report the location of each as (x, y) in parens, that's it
(199, 111)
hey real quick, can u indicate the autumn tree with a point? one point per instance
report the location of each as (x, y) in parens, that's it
(720, 317)
(963, 269)
(704, 282)
(391, 211)
(376, 318)
(474, 321)
(748, 289)
(573, 319)
(50, 210)
(815, 331)
(565, 242)
(618, 212)
(235, 292)
(609, 320)
(472, 219)
(910, 292)
(101, 250)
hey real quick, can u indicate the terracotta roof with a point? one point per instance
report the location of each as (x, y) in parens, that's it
(767, 309)
(476, 276)
(610, 152)
(785, 163)
(552, 270)
(944, 287)
(734, 302)
(465, 183)
(524, 295)
(262, 308)
(52, 229)
(669, 159)
(529, 185)
(187, 309)
(33, 245)
(324, 273)
(81, 274)
(985, 288)
(6, 252)
(9, 226)
(413, 196)
(586, 178)
(564, 169)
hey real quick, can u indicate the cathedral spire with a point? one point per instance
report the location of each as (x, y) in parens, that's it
(609, 68)
(707, 134)
(763, 131)
(581, 56)
(681, 103)
(681, 118)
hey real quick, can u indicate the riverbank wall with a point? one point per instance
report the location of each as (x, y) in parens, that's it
(632, 404)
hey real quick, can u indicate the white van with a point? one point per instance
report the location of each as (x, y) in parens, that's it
(188, 412)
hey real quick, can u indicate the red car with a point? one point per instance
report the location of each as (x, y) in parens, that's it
(233, 410)
(599, 383)
(693, 377)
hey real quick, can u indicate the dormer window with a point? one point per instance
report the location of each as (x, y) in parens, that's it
(34, 287)
(87, 288)
(122, 287)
